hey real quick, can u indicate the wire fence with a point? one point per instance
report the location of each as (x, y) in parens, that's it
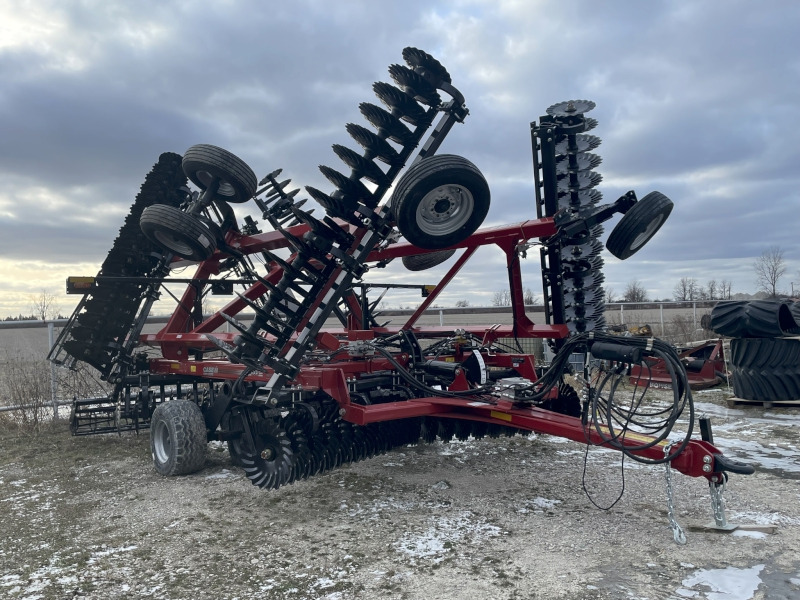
(33, 391)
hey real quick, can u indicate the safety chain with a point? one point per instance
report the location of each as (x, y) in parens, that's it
(717, 501)
(677, 532)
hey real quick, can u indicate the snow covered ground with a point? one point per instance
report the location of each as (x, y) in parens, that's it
(506, 518)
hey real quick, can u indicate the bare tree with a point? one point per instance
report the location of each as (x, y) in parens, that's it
(529, 298)
(501, 298)
(770, 267)
(725, 289)
(462, 303)
(44, 306)
(635, 292)
(611, 295)
(713, 289)
(685, 289)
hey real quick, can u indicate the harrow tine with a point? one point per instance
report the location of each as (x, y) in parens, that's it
(272, 175)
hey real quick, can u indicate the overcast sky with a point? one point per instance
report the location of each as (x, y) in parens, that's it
(695, 99)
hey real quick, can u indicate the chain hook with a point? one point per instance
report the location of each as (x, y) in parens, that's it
(677, 531)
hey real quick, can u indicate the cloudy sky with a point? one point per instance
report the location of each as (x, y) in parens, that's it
(695, 99)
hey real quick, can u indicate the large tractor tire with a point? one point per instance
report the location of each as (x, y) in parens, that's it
(753, 319)
(440, 201)
(178, 438)
(182, 234)
(639, 225)
(423, 262)
(203, 163)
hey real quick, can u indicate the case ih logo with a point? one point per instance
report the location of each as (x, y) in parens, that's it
(210, 370)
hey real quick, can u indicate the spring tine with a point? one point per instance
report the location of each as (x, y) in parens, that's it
(374, 304)
(234, 322)
(259, 310)
(279, 295)
(272, 175)
(287, 268)
(278, 191)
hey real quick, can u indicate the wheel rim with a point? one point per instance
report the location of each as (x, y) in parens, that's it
(652, 227)
(445, 209)
(177, 245)
(225, 188)
(162, 443)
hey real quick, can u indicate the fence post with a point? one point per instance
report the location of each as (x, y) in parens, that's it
(694, 312)
(51, 340)
(621, 314)
(661, 306)
(441, 318)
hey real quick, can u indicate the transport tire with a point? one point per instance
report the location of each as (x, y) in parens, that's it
(203, 162)
(765, 354)
(182, 234)
(423, 262)
(178, 439)
(639, 225)
(767, 385)
(753, 319)
(440, 201)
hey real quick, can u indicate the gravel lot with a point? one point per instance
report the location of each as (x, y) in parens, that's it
(506, 518)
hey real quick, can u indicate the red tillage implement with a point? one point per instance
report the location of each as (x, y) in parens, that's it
(294, 396)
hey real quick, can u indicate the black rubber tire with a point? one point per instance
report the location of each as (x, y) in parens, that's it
(433, 174)
(178, 438)
(181, 233)
(766, 385)
(765, 354)
(639, 225)
(204, 161)
(422, 262)
(753, 319)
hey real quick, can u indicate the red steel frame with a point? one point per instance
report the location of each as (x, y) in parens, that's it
(180, 337)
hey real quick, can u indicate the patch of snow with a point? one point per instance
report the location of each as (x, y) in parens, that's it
(433, 543)
(726, 584)
(757, 535)
(103, 553)
(224, 474)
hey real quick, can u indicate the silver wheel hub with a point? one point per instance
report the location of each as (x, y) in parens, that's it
(445, 209)
(162, 442)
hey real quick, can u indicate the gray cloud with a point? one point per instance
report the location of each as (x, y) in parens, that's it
(695, 100)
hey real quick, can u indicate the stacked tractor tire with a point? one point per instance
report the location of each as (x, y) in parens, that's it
(765, 361)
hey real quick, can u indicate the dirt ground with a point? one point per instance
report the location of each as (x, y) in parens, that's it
(505, 518)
